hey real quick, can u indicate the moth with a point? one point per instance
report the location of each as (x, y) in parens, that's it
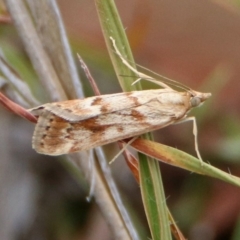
(82, 124)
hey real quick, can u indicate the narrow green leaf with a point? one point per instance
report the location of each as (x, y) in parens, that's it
(112, 27)
(181, 159)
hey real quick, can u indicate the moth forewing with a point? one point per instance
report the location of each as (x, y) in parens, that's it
(81, 109)
(83, 124)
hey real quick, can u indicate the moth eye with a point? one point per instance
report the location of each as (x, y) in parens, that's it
(195, 101)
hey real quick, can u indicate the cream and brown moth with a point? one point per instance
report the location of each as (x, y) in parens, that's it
(82, 124)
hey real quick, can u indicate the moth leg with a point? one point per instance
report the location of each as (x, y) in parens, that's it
(123, 149)
(195, 132)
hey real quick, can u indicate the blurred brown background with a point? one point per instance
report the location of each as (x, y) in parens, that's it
(193, 42)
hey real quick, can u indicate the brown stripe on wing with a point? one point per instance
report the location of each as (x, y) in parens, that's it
(101, 130)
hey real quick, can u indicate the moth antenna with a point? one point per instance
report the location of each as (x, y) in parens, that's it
(143, 76)
(136, 81)
(153, 80)
(170, 80)
(139, 74)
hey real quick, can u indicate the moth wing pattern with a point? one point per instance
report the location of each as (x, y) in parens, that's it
(55, 135)
(81, 109)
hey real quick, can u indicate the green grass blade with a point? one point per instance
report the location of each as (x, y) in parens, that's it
(181, 159)
(150, 178)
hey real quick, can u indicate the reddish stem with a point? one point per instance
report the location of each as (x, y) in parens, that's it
(17, 109)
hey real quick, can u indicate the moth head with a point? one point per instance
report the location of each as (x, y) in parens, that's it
(197, 98)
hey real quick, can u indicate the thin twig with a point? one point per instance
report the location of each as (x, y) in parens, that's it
(89, 76)
(17, 109)
(104, 165)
